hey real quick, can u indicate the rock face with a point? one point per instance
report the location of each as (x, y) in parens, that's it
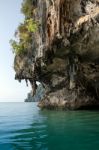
(64, 56)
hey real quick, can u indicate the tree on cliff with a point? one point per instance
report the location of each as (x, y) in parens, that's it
(25, 30)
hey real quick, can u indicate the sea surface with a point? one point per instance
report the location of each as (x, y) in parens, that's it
(23, 126)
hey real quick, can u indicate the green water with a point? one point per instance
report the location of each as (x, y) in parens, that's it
(23, 126)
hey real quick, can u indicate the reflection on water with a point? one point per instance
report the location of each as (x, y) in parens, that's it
(23, 126)
(32, 137)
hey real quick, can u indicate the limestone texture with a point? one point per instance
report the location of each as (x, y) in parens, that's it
(64, 56)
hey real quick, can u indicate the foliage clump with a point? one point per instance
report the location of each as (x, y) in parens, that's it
(27, 8)
(18, 48)
(25, 30)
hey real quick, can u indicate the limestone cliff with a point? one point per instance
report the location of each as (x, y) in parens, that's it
(64, 53)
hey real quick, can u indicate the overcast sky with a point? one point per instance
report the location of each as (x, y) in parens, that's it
(10, 17)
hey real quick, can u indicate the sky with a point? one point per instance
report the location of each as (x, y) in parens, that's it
(10, 17)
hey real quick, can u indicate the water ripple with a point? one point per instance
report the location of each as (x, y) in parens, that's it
(23, 126)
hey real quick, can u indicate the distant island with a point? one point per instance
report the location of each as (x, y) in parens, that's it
(37, 97)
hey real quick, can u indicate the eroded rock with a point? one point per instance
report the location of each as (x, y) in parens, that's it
(65, 54)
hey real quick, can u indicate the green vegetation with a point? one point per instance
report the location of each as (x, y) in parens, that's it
(18, 48)
(25, 30)
(27, 8)
(31, 25)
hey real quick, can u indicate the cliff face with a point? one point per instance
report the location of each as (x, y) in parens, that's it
(64, 54)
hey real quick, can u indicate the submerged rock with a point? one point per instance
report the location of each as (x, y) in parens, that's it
(64, 56)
